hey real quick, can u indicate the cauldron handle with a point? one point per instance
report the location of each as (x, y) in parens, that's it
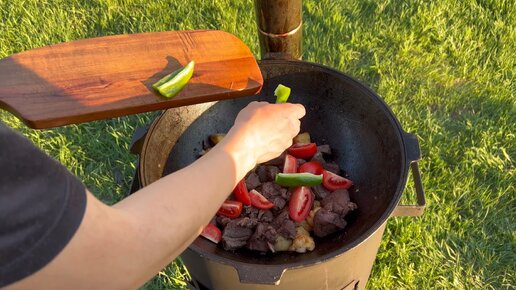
(262, 274)
(413, 154)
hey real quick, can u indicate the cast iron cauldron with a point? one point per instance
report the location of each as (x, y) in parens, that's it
(367, 141)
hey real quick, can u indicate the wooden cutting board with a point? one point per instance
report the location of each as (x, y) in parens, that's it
(111, 76)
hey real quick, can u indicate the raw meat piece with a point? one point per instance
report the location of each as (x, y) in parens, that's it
(235, 236)
(338, 202)
(327, 222)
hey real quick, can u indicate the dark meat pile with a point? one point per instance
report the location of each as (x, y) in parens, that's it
(273, 229)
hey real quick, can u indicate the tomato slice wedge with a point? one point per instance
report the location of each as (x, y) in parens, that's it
(230, 209)
(304, 151)
(260, 201)
(313, 167)
(300, 203)
(290, 165)
(241, 193)
(212, 233)
(332, 181)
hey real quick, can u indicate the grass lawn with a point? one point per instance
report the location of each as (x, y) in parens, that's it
(446, 68)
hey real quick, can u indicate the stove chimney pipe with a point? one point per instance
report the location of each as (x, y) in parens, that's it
(279, 28)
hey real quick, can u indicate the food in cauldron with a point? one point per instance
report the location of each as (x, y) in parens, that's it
(280, 203)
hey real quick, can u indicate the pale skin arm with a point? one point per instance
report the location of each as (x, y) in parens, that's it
(123, 246)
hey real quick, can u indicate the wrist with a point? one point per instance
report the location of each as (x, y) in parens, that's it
(243, 160)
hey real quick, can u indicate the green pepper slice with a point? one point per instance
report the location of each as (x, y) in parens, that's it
(282, 93)
(172, 84)
(298, 179)
(166, 79)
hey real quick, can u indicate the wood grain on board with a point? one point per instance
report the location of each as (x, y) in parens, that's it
(111, 76)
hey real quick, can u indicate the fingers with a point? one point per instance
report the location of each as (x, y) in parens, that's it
(295, 126)
(295, 110)
(265, 130)
(255, 104)
(292, 112)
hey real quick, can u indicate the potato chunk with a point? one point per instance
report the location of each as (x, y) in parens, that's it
(303, 138)
(216, 138)
(310, 217)
(303, 242)
(282, 244)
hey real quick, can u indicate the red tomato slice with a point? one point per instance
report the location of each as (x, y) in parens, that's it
(290, 165)
(260, 201)
(333, 181)
(241, 193)
(304, 151)
(300, 203)
(212, 233)
(313, 167)
(231, 209)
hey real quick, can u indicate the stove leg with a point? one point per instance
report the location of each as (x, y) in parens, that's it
(135, 184)
(136, 148)
(279, 28)
(194, 285)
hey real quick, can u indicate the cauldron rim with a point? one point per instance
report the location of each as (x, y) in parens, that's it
(387, 213)
(376, 225)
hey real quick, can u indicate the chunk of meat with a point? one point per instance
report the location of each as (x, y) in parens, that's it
(281, 218)
(287, 229)
(260, 170)
(267, 172)
(250, 211)
(338, 202)
(320, 191)
(285, 193)
(252, 181)
(284, 225)
(279, 203)
(222, 220)
(270, 234)
(270, 190)
(265, 216)
(319, 158)
(235, 236)
(250, 223)
(271, 172)
(263, 238)
(332, 167)
(327, 222)
(324, 149)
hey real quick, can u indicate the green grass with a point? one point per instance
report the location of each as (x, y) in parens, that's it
(446, 68)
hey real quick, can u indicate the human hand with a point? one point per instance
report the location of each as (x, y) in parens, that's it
(262, 131)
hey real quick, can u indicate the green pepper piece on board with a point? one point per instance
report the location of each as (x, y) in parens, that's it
(166, 79)
(176, 81)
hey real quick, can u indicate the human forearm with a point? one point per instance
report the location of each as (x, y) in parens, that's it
(120, 247)
(183, 202)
